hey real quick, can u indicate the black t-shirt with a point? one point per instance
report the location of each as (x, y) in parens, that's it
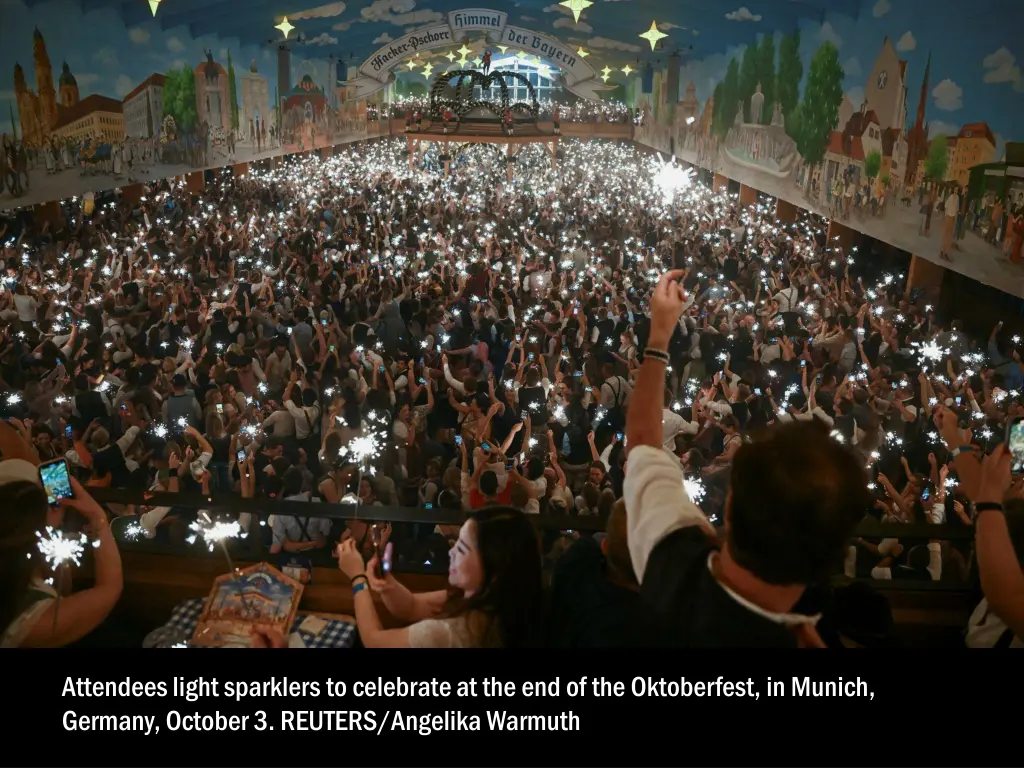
(700, 614)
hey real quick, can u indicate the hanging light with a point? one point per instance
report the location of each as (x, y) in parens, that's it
(153, 5)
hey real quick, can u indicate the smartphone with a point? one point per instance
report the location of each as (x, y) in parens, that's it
(332, 347)
(531, 356)
(67, 431)
(803, 363)
(485, 445)
(578, 373)
(385, 560)
(381, 369)
(959, 400)
(757, 391)
(220, 407)
(1015, 443)
(428, 505)
(458, 439)
(56, 481)
(124, 406)
(323, 321)
(240, 457)
(619, 435)
(925, 494)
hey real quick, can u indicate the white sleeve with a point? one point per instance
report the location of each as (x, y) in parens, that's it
(656, 503)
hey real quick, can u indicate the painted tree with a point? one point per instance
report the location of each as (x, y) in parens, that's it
(232, 93)
(766, 74)
(729, 99)
(180, 98)
(872, 164)
(716, 107)
(819, 110)
(936, 162)
(748, 78)
(791, 72)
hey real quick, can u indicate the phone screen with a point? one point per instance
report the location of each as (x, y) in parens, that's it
(385, 561)
(220, 407)
(56, 481)
(67, 431)
(925, 494)
(1015, 442)
(458, 439)
(485, 445)
(240, 457)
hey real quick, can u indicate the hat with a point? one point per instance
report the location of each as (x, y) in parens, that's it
(18, 470)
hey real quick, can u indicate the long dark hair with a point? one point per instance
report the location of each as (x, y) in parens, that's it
(511, 598)
(25, 515)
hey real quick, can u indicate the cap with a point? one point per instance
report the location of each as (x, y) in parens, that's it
(18, 470)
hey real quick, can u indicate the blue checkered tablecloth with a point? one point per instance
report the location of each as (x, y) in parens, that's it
(181, 626)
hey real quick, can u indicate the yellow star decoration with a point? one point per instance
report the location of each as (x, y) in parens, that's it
(285, 27)
(450, 56)
(503, 48)
(153, 5)
(465, 52)
(411, 65)
(653, 35)
(606, 73)
(545, 71)
(577, 7)
(428, 70)
(627, 70)
(583, 54)
(478, 61)
(463, 63)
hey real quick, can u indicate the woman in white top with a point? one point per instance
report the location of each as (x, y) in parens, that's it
(29, 614)
(495, 600)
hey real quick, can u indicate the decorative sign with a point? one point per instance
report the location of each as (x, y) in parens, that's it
(378, 70)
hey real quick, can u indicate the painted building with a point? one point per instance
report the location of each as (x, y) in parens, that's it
(885, 91)
(212, 104)
(68, 87)
(37, 110)
(96, 117)
(974, 145)
(256, 112)
(144, 108)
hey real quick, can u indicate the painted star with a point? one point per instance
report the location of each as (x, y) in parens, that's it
(411, 65)
(653, 35)
(478, 61)
(428, 70)
(450, 56)
(577, 7)
(463, 63)
(583, 54)
(545, 71)
(627, 70)
(606, 73)
(503, 48)
(465, 52)
(153, 5)
(285, 27)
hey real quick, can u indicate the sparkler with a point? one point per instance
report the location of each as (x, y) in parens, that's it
(218, 532)
(694, 489)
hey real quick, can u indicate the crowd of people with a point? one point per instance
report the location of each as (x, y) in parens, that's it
(359, 331)
(578, 111)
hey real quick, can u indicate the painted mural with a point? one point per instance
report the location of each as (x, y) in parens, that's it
(128, 104)
(895, 123)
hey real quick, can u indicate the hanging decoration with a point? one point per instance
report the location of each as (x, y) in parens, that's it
(153, 5)
(653, 35)
(577, 7)
(627, 70)
(285, 26)
(583, 54)
(606, 73)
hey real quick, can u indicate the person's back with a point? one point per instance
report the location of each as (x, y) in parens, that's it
(795, 497)
(595, 599)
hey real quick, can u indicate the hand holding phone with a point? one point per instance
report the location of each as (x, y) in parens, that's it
(56, 480)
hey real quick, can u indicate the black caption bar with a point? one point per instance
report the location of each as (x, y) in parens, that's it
(493, 708)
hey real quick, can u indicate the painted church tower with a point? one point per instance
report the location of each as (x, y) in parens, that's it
(44, 83)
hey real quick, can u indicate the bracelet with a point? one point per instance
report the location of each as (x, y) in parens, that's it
(358, 587)
(656, 354)
(985, 506)
(358, 576)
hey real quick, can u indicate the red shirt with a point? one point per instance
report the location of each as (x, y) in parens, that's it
(478, 501)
